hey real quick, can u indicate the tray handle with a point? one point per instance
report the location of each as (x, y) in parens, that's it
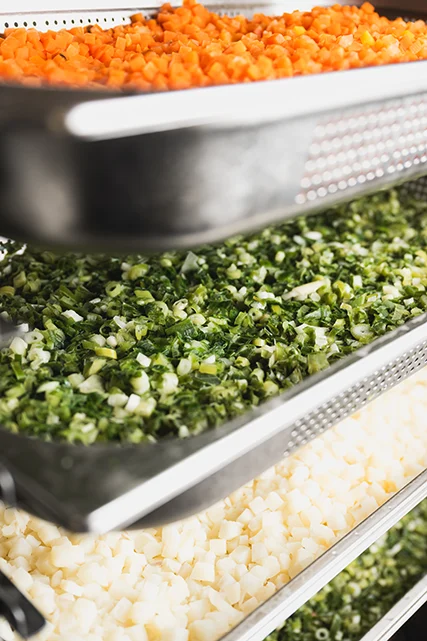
(21, 615)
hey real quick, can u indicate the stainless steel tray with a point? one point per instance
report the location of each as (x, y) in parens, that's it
(151, 484)
(288, 599)
(399, 614)
(87, 169)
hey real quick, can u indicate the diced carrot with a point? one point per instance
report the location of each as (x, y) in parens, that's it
(162, 65)
(137, 17)
(37, 60)
(21, 36)
(23, 53)
(150, 71)
(416, 47)
(63, 39)
(116, 77)
(299, 30)
(137, 62)
(90, 39)
(193, 46)
(10, 45)
(72, 50)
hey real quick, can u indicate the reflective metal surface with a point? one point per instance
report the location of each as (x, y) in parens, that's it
(18, 611)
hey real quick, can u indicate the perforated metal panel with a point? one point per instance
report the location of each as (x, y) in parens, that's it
(417, 188)
(367, 389)
(56, 20)
(361, 145)
(358, 395)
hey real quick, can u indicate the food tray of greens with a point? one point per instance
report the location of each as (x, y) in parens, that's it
(164, 383)
(141, 137)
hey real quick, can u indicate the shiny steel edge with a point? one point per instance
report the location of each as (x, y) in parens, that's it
(249, 104)
(277, 416)
(303, 587)
(399, 614)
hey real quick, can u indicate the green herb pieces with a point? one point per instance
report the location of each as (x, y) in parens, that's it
(135, 349)
(352, 603)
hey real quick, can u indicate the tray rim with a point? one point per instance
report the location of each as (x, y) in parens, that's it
(50, 6)
(85, 6)
(312, 392)
(91, 116)
(245, 104)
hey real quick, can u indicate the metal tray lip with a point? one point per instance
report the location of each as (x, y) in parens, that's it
(50, 6)
(226, 105)
(245, 104)
(399, 614)
(273, 612)
(85, 6)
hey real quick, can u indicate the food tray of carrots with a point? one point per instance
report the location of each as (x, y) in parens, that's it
(163, 127)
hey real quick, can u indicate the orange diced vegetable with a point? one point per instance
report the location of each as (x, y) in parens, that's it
(192, 46)
(366, 39)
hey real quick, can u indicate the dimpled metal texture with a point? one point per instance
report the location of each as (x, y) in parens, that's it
(107, 19)
(54, 21)
(354, 398)
(358, 147)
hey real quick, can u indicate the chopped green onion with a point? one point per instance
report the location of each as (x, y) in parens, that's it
(215, 334)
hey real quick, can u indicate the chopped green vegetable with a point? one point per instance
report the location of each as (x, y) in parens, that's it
(196, 338)
(352, 603)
